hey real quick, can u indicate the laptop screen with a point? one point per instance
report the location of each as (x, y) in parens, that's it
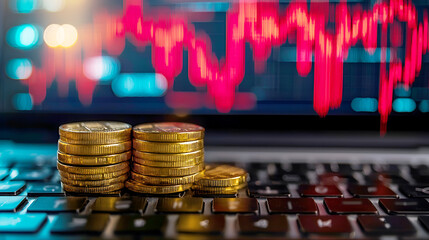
(209, 57)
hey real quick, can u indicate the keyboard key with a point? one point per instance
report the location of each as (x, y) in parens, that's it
(207, 224)
(3, 173)
(377, 178)
(21, 223)
(11, 203)
(67, 223)
(336, 178)
(141, 224)
(57, 204)
(119, 205)
(235, 205)
(38, 175)
(274, 224)
(324, 224)
(424, 220)
(11, 188)
(372, 191)
(386, 168)
(258, 189)
(343, 168)
(386, 225)
(288, 177)
(405, 206)
(292, 205)
(308, 190)
(349, 206)
(45, 189)
(420, 191)
(180, 205)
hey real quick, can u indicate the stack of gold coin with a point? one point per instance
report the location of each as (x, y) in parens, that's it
(93, 157)
(221, 179)
(167, 157)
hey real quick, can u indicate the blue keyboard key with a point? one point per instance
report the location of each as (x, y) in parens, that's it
(57, 204)
(45, 189)
(3, 173)
(11, 188)
(21, 223)
(11, 203)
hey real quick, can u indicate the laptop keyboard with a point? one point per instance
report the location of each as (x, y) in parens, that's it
(295, 200)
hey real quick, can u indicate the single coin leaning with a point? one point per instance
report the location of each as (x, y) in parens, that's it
(161, 164)
(152, 189)
(150, 180)
(168, 132)
(219, 190)
(164, 157)
(92, 170)
(111, 188)
(93, 160)
(94, 150)
(95, 132)
(167, 172)
(99, 183)
(222, 176)
(162, 147)
(93, 177)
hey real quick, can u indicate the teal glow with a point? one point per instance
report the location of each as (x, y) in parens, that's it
(102, 68)
(25, 36)
(19, 68)
(23, 6)
(424, 106)
(139, 85)
(364, 105)
(205, 6)
(402, 91)
(404, 105)
(23, 101)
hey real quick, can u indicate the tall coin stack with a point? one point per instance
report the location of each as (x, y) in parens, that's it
(167, 157)
(93, 157)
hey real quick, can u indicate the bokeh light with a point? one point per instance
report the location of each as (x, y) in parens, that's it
(53, 5)
(19, 68)
(404, 105)
(25, 36)
(23, 6)
(139, 85)
(60, 35)
(101, 68)
(22, 101)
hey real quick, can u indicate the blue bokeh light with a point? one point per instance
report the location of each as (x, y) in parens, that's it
(23, 101)
(25, 36)
(364, 105)
(23, 6)
(139, 85)
(19, 68)
(404, 105)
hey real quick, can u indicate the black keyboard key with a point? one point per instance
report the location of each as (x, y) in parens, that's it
(274, 224)
(405, 206)
(11, 188)
(258, 189)
(180, 205)
(386, 168)
(332, 225)
(374, 179)
(235, 205)
(372, 191)
(11, 203)
(292, 205)
(349, 206)
(386, 225)
(21, 223)
(67, 223)
(336, 178)
(424, 220)
(38, 175)
(343, 168)
(3, 173)
(45, 189)
(289, 177)
(201, 224)
(420, 191)
(137, 224)
(57, 204)
(308, 190)
(119, 204)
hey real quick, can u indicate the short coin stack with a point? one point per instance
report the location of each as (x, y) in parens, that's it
(221, 179)
(167, 157)
(93, 157)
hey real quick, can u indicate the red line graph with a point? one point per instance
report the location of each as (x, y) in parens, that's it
(263, 26)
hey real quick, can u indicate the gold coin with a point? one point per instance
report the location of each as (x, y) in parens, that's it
(107, 189)
(153, 189)
(161, 164)
(94, 150)
(175, 157)
(159, 147)
(95, 132)
(150, 180)
(93, 177)
(98, 183)
(167, 172)
(218, 190)
(92, 170)
(222, 176)
(168, 132)
(93, 160)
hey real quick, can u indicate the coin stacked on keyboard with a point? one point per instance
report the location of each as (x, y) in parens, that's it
(93, 157)
(167, 157)
(221, 179)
